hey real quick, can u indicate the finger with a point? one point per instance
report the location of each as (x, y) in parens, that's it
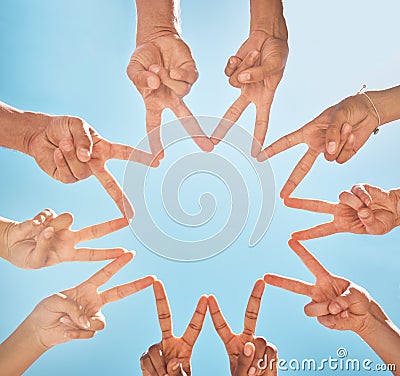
(196, 323)
(249, 60)
(142, 78)
(348, 150)
(337, 119)
(353, 299)
(39, 256)
(78, 334)
(62, 304)
(157, 360)
(105, 274)
(187, 73)
(299, 173)
(62, 173)
(96, 323)
(344, 136)
(62, 222)
(309, 260)
(315, 206)
(351, 200)
(83, 143)
(44, 216)
(253, 308)
(128, 153)
(314, 309)
(153, 129)
(147, 365)
(192, 127)
(100, 230)
(259, 73)
(112, 187)
(259, 356)
(232, 65)
(175, 368)
(163, 310)
(289, 284)
(284, 143)
(360, 191)
(127, 289)
(220, 324)
(91, 255)
(319, 231)
(180, 88)
(272, 356)
(245, 359)
(371, 223)
(229, 119)
(260, 129)
(79, 169)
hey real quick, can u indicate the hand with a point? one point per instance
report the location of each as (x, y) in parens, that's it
(172, 355)
(336, 302)
(349, 123)
(247, 353)
(364, 210)
(163, 71)
(69, 150)
(257, 68)
(75, 313)
(48, 239)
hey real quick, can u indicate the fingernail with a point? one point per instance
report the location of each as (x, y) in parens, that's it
(36, 222)
(48, 232)
(133, 253)
(335, 308)
(247, 349)
(331, 147)
(176, 366)
(368, 202)
(154, 69)
(67, 147)
(244, 76)
(84, 152)
(252, 371)
(344, 315)
(363, 214)
(66, 320)
(254, 54)
(231, 61)
(152, 82)
(84, 322)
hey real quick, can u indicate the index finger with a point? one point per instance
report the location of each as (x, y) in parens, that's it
(196, 323)
(284, 143)
(309, 260)
(260, 128)
(105, 274)
(100, 230)
(222, 327)
(112, 187)
(315, 206)
(289, 284)
(253, 308)
(128, 153)
(163, 310)
(299, 173)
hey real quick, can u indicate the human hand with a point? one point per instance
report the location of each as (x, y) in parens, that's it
(336, 302)
(163, 70)
(68, 149)
(173, 354)
(248, 355)
(348, 124)
(257, 68)
(363, 210)
(47, 239)
(76, 313)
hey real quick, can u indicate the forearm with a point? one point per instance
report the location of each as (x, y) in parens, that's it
(387, 103)
(267, 16)
(156, 18)
(382, 335)
(20, 350)
(17, 127)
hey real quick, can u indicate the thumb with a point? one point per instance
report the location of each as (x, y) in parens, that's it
(245, 360)
(175, 368)
(39, 256)
(337, 119)
(179, 87)
(354, 299)
(372, 225)
(80, 131)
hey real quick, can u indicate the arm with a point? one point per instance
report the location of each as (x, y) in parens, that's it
(387, 103)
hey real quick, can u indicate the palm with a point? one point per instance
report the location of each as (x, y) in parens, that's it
(177, 348)
(235, 347)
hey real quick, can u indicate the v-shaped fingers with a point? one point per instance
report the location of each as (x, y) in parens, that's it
(100, 230)
(221, 326)
(289, 284)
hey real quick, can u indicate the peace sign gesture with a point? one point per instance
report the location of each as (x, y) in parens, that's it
(48, 239)
(336, 302)
(363, 210)
(248, 354)
(173, 354)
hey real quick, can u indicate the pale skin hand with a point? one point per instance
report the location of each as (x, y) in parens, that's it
(163, 70)
(173, 354)
(257, 69)
(358, 122)
(245, 350)
(71, 314)
(339, 304)
(363, 210)
(48, 239)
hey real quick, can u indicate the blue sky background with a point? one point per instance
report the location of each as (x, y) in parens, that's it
(70, 58)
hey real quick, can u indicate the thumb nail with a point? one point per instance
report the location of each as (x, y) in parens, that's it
(244, 76)
(363, 213)
(335, 308)
(84, 321)
(248, 349)
(48, 232)
(252, 371)
(84, 152)
(331, 147)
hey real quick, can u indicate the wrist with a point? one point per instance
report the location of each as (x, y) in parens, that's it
(5, 227)
(395, 195)
(387, 103)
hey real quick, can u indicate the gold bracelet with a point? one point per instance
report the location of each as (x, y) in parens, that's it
(376, 130)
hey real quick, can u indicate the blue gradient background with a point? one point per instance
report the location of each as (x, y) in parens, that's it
(69, 57)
